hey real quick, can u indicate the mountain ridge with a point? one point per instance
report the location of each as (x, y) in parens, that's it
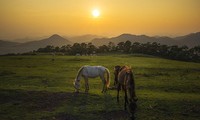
(54, 40)
(83, 38)
(190, 40)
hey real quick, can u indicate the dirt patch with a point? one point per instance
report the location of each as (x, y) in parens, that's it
(61, 116)
(46, 100)
(6, 73)
(35, 77)
(116, 115)
(34, 100)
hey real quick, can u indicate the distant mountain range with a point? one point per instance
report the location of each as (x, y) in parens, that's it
(13, 47)
(4, 43)
(6, 47)
(190, 40)
(83, 38)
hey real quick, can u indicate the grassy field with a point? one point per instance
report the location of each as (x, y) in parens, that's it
(37, 88)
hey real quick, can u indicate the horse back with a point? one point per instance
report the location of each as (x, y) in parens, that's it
(122, 74)
(121, 77)
(93, 71)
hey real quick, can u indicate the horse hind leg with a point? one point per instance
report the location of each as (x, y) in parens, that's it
(125, 99)
(118, 89)
(104, 84)
(104, 87)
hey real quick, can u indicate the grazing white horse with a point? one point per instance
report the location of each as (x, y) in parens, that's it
(92, 72)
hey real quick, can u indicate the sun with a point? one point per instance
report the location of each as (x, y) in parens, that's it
(95, 13)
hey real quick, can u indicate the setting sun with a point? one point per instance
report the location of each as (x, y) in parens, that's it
(21, 18)
(95, 13)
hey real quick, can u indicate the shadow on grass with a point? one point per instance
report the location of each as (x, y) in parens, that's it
(45, 105)
(6, 73)
(33, 100)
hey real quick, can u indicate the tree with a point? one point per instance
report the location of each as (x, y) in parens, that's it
(76, 48)
(127, 46)
(103, 49)
(57, 49)
(83, 48)
(66, 49)
(194, 53)
(171, 52)
(91, 48)
(48, 48)
(135, 48)
(111, 46)
(154, 49)
(183, 53)
(120, 46)
(163, 50)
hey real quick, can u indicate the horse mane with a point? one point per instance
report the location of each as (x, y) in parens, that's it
(79, 71)
(122, 68)
(129, 70)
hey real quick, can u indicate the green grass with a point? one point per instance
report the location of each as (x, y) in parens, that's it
(37, 88)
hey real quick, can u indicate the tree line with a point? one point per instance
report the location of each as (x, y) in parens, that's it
(156, 49)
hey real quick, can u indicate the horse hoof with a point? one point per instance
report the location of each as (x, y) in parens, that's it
(76, 91)
(132, 118)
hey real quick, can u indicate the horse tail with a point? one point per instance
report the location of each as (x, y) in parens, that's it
(108, 78)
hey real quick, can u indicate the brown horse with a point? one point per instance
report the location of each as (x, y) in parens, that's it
(124, 79)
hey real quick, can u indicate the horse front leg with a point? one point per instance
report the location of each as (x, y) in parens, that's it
(125, 98)
(104, 87)
(86, 85)
(118, 89)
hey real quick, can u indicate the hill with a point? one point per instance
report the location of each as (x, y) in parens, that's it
(7, 46)
(190, 40)
(54, 40)
(4, 43)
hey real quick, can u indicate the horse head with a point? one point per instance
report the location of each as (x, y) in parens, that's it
(132, 109)
(77, 84)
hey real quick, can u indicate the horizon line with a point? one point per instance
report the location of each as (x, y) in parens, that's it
(102, 36)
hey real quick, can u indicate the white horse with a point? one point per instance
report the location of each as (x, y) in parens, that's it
(92, 72)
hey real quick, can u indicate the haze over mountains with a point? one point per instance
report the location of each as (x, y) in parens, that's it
(14, 47)
(6, 47)
(83, 38)
(189, 40)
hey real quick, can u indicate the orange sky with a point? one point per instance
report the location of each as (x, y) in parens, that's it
(29, 18)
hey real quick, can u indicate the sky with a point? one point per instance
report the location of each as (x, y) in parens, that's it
(31, 18)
